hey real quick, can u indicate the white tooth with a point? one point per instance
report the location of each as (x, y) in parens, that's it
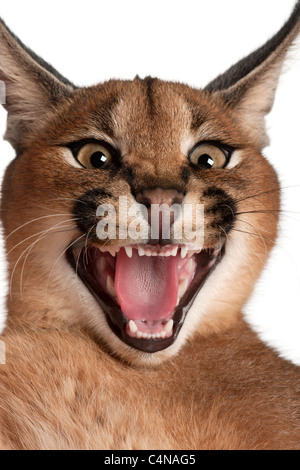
(183, 251)
(148, 253)
(113, 251)
(139, 334)
(161, 254)
(141, 251)
(178, 300)
(182, 287)
(189, 265)
(128, 250)
(145, 335)
(132, 326)
(191, 253)
(149, 336)
(167, 253)
(174, 251)
(110, 286)
(169, 326)
(163, 334)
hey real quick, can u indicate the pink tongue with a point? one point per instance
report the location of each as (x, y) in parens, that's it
(146, 286)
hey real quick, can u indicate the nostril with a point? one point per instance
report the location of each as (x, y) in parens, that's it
(141, 199)
(178, 198)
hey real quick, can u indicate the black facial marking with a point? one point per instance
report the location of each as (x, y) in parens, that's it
(129, 175)
(85, 208)
(185, 174)
(214, 191)
(222, 207)
(149, 81)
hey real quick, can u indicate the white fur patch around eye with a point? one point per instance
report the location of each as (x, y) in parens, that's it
(187, 143)
(235, 159)
(70, 159)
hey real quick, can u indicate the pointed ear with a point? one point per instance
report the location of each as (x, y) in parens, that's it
(249, 86)
(33, 89)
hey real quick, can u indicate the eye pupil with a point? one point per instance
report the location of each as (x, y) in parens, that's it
(98, 159)
(205, 161)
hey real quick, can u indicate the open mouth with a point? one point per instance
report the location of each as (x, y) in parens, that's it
(144, 290)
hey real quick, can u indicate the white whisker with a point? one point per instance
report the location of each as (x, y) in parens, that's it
(35, 220)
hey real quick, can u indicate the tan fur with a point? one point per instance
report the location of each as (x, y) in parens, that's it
(69, 381)
(226, 398)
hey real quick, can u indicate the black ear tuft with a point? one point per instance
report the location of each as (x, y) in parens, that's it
(245, 66)
(249, 86)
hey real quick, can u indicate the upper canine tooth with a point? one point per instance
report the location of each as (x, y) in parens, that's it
(183, 251)
(141, 251)
(128, 250)
(132, 326)
(111, 251)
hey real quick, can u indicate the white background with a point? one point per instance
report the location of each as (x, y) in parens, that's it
(190, 41)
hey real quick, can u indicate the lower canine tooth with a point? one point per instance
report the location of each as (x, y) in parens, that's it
(182, 287)
(169, 326)
(110, 286)
(132, 326)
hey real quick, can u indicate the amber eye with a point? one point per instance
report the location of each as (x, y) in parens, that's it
(208, 156)
(94, 155)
